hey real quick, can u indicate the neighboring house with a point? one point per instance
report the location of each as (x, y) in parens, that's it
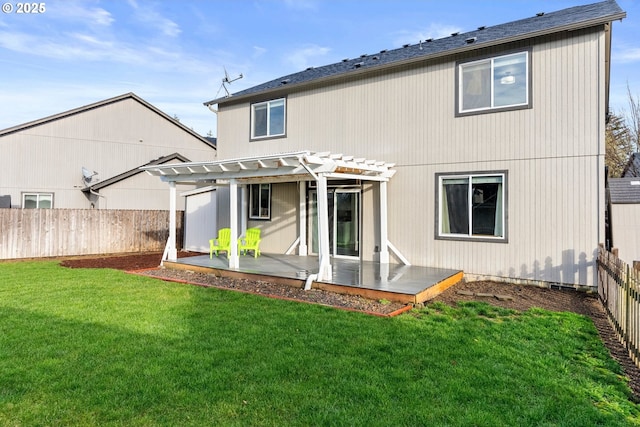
(482, 151)
(632, 168)
(89, 157)
(624, 217)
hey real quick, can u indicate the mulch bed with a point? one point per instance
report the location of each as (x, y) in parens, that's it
(517, 297)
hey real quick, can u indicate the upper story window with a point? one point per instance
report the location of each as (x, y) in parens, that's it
(37, 200)
(268, 119)
(493, 84)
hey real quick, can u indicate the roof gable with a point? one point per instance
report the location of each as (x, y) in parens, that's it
(567, 19)
(100, 104)
(121, 177)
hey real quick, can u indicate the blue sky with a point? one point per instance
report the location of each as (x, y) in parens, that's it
(173, 53)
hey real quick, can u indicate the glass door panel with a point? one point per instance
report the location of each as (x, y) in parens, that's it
(344, 228)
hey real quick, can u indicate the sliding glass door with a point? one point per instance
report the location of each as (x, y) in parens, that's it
(344, 222)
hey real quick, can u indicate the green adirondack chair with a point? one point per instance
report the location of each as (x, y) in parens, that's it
(250, 242)
(220, 243)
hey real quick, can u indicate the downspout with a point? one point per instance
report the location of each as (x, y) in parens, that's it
(95, 193)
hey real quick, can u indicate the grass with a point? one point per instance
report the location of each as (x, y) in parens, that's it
(100, 347)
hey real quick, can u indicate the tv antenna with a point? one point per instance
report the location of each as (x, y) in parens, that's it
(226, 80)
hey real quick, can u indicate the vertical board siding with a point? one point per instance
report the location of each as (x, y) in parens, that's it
(111, 140)
(35, 233)
(553, 153)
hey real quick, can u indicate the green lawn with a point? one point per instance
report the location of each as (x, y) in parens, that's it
(100, 347)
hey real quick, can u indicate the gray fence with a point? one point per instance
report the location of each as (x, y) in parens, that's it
(35, 233)
(619, 290)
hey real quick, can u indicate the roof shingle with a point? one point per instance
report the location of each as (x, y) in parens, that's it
(566, 19)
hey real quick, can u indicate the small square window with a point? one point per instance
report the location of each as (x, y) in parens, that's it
(37, 200)
(492, 84)
(268, 119)
(260, 201)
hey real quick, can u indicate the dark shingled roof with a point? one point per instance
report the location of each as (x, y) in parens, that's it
(633, 166)
(624, 190)
(566, 19)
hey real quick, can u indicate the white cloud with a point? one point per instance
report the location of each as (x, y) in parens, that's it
(627, 55)
(150, 17)
(80, 12)
(304, 57)
(258, 51)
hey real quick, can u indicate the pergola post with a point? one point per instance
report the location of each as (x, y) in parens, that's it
(324, 270)
(234, 259)
(302, 218)
(384, 237)
(172, 254)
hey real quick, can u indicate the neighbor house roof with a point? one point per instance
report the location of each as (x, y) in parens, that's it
(99, 104)
(632, 168)
(624, 190)
(121, 177)
(543, 23)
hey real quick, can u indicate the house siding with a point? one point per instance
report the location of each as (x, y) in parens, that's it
(110, 139)
(625, 219)
(553, 153)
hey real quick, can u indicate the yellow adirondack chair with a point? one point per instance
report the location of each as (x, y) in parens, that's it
(250, 242)
(220, 243)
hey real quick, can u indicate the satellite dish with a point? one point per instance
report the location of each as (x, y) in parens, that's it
(87, 175)
(226, 80)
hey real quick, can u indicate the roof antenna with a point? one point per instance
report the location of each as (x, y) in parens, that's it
(226, 80)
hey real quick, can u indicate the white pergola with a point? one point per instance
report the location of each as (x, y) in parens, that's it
(301, 166)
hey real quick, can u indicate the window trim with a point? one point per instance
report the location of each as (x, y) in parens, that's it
(38, 194)
(261, 217)
(470, 237)
(252, 136)
(486, 110)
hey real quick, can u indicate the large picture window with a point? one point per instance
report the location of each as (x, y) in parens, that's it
(268, 119)
(260, 201)
(497, 83)
(472, 206)
(37, 200)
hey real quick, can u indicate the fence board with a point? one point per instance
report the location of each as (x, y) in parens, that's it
(619, 291)
(35, 233)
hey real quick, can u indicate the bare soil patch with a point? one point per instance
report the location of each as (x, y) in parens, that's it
(517, 297)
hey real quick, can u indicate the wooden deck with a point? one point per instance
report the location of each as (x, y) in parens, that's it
(393, 282)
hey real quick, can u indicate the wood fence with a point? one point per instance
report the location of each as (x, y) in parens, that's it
(35, 233)
(619, 291)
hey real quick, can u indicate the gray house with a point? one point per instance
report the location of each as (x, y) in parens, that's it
(89, 157)
(482, 151)
(624, 217)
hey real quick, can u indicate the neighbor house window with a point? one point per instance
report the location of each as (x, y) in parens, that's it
(472, 206)
(496, 83)
(260, 201)
(37, 200)
(268, 119)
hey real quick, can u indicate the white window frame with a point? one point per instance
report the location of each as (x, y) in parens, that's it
(269, 133)
(469, 235)
(38, 195)
(264, 212)
(492, 107)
